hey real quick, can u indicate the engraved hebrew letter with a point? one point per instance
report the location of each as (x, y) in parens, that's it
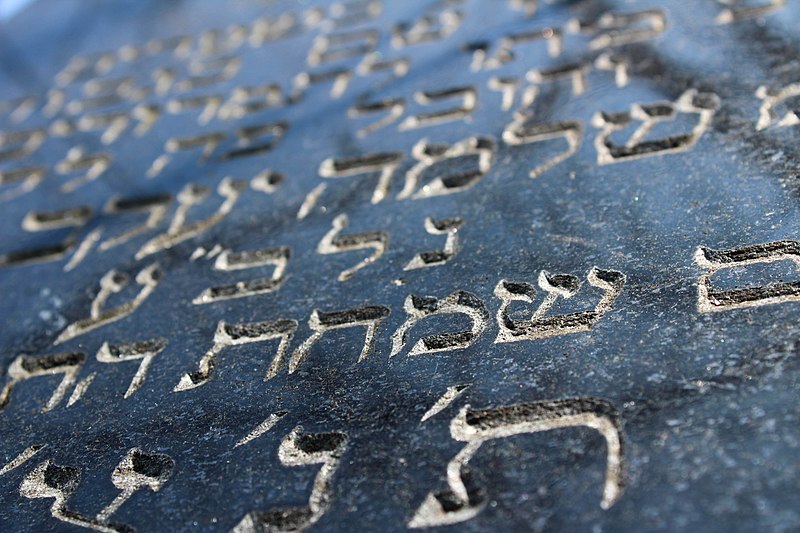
(237, 335)
(507, 87)
(300, 449)
(267, 181)
(340, 77)
(146, 115)
(218, 40)
(23, 179)
(155, 206)
(383, 162)
(123, 86)
(615, 63)
(771, 98)
(62, 127)
(247, 100)
(341, 14)
(84, 248)
(710, 299)
(334, 243)
(736, 12)
(19, 109)
(113, 125)
(541, 325)
(310, 201)
(137, 470)
(265, 29)
(25, 367)
(80, 106)
(469, 99)
(75, 217)
(20, 144)
(430, 155)
(112, 283)
(463, 500)
(26, 455)
(178, 231)
(575, 72)
(63, 218)
(118, 85)
(81, 67)
(209, 71)
(523, 130)
(228, 261)
(54, 102)
(207, 141)
(49, 480)
(616, 29)
(262, 428)
(133, 351)
(164, 80)
(77, 160)
(369, 317)
(552, 37)
(445, 226)
(375, 63)
(256, 140)
(180, 46)
(450, 395)
(704, 105)
(333, 47)
(394, 107)
(420, 307)
(106, 92)
(209, 104)
(80, 389)
(430, 27)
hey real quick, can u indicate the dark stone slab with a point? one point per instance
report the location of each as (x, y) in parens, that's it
(481, 265)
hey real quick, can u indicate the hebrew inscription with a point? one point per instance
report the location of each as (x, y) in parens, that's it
(710, 299)
(257, 258)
